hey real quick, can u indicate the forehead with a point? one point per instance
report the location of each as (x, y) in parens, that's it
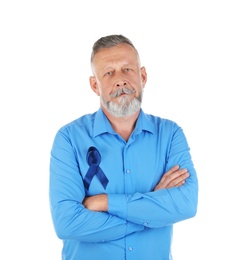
(121, 51)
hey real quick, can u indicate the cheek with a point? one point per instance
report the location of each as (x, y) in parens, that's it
(105, 91)
(138, 84)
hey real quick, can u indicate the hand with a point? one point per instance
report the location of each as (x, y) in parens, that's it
(96, 203)
(175, 177)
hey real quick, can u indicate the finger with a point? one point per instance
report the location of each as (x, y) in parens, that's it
(180, 183)
(179, 180)
(174, 175)
(172, 170)
(172, 178)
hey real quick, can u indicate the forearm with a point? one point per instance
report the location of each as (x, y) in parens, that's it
(73, 221)
(155, 209)
(164, 205)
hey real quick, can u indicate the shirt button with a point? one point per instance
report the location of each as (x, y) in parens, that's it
(130, 248)
(128, 171)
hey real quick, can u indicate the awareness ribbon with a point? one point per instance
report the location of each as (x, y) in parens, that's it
(94, 159)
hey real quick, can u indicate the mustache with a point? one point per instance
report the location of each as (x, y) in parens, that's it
(120, 91)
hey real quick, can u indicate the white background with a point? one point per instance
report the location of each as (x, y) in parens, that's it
(191, 52)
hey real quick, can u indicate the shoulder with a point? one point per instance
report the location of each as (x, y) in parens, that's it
(161, 122)
(83, 122)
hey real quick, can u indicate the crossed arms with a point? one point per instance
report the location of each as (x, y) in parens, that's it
(175, 177)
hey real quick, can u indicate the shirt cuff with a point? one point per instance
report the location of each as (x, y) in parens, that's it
(117, 205)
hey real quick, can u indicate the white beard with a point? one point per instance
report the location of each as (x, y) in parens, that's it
(124, 107)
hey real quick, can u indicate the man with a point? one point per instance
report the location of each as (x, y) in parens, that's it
(120, 178)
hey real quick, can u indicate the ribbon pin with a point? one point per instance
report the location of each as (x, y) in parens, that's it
(94, 159)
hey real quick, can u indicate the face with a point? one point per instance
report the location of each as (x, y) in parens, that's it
(118, 80)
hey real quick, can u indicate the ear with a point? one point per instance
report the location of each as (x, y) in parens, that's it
(143, 76)
(93, 84)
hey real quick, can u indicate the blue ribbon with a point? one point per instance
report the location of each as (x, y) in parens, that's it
(94, 159)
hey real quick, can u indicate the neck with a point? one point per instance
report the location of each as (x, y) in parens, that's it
(122, 125)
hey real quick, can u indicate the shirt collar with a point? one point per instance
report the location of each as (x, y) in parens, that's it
(144, 123)
(102, 125)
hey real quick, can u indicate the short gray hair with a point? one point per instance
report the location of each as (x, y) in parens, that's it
(110, 41)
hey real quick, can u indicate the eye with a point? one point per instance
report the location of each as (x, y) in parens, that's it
(109, 73)
(127, 69)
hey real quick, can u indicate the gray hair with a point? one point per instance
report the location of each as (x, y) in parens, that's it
(110, 41)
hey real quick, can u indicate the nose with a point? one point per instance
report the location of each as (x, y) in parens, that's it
(121, 83)
(120, 79)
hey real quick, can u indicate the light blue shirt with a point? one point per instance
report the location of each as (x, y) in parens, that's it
(139, 221)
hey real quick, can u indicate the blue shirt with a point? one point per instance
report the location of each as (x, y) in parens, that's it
(139, 221)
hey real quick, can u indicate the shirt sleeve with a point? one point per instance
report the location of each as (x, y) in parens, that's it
(71, 219)
(167, 206)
